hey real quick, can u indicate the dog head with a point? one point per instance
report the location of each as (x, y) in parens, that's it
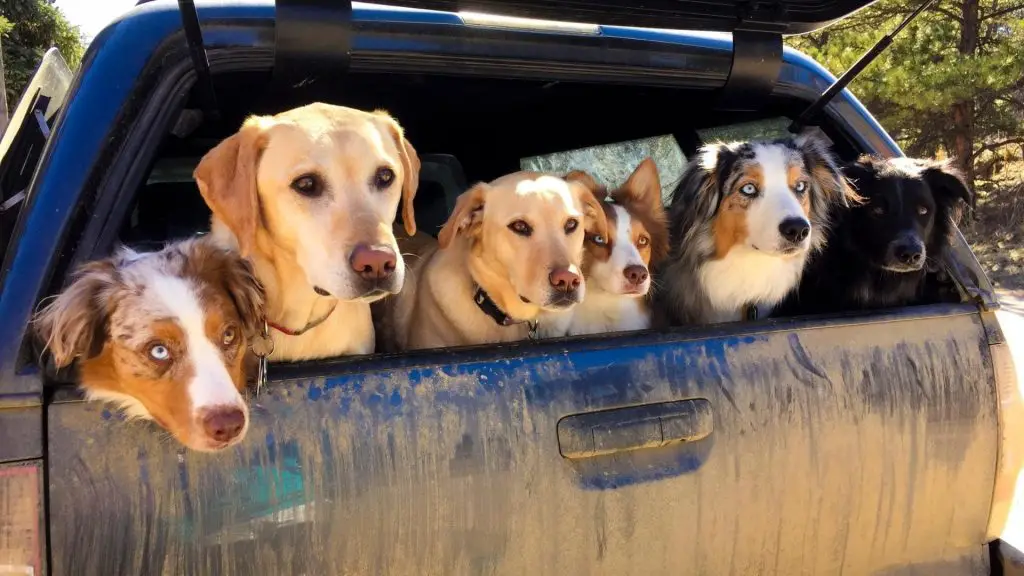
(526, 230)
(772, 197)
(320, 185)
(907, 212)
(619, 261)
(164, 335)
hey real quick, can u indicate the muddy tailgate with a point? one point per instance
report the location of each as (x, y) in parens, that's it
(840, 446)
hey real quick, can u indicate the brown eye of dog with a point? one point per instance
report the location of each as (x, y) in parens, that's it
(384, 177)
(159, 352)
(521, 227)
(643, 241)
(229, 336)
(308, 185)
(922, 210)
(571, 225)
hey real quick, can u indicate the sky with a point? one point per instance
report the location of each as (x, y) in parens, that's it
(92, 15)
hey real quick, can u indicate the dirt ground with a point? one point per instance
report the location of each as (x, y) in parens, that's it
(996, 233)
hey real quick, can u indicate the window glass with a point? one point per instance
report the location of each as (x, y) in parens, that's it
(611, 164)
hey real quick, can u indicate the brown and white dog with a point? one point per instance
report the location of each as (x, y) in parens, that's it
(164, 335)
(617, 264)
(511, 249)
(743, 222)
(310, 196)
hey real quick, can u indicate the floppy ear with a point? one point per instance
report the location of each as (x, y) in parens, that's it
(215, 264)
(700, 191)
(410, 169)
(245, 291)
(824, 170)
(468, 214)
(946, 182)
(585, 179)
(75, 322)
(595, 220)
(227, 180)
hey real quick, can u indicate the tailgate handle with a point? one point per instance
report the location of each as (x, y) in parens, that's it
(633, 428)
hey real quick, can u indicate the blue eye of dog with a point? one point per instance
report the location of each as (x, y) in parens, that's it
(748, 190)
(571, 225)
(159, 352)
(521, 227)
(598, 239)
(308, 185)
(801, 186)
(384, 177)
(922, 210)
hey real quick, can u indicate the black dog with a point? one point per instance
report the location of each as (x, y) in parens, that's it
(881, 250)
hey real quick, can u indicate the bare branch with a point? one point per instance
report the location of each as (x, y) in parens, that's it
(1002, 12)
(995, 146)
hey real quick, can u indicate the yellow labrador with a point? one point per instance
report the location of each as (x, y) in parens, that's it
(511, 249)
(310, 196)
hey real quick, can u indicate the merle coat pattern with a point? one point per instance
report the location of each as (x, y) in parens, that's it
(707, 190)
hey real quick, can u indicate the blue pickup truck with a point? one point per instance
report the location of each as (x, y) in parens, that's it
(873, 443)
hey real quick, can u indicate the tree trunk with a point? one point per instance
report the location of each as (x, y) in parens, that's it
(963, 112)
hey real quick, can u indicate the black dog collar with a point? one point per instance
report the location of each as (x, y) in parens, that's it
(488, 306)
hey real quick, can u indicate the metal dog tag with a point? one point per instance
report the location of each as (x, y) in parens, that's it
(262, 346)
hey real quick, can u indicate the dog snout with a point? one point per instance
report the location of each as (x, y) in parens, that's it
(373, 262)
(564, 279)
(795, 230)
(908, 253)
(635, 274)
(224, 424)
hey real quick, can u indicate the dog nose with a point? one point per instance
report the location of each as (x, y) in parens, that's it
(636, 274)
(224, 424)
(564, 279)
(795, 229)
(373, 263)
(909, 253)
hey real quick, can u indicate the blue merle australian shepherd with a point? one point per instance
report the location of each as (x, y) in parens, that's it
(743, 222)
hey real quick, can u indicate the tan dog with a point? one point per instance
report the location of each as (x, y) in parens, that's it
(511, 249)
(310, 196)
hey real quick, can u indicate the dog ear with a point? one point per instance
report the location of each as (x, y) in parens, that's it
(245, 291)
(227, 180)
(585, 179)
(824, 171)
(699, 193)
(218, 266)
(410, 169)
(468, 214)
(595, 220)
(643, 188)
(642, 194)
(75, 322)
(946, 182)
